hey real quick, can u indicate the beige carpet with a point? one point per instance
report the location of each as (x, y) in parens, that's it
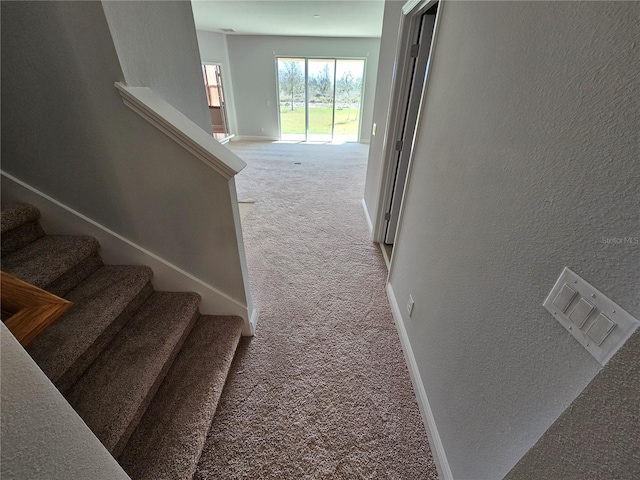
(322, 391)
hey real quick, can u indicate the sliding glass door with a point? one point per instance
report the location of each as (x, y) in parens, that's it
(321, 91)
(320, 99)
(293, 99)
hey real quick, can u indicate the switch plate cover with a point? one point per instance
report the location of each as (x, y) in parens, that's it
(594, 320)
(410, 305)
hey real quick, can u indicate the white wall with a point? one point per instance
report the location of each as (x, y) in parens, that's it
(526, 156)
(253, 71)
(213, 49)
(384, 78)
(42, 436)
(157, 47)
(72, 138)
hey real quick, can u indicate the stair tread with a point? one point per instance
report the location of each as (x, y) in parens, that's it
(74, 337)
(48, 258)
(16, 214)
(116, 389)
(169, 439)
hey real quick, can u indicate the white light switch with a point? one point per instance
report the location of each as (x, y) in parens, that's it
(581, 312)
(594, 320)
(600, 328)
(564, 298)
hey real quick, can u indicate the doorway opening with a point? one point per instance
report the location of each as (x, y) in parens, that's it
(320, 99)
(216, 99)
(417, 36)
(419, 55)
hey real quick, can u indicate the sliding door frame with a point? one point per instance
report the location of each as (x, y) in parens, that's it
(306, 90)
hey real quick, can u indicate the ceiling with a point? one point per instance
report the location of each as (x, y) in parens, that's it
(308, 18)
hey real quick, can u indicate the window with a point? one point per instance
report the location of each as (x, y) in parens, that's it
(320, 99)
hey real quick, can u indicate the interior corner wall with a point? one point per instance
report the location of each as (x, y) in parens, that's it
(597, 437)
(525, 161)
(157, 48)
(253, 71)
(213, 49)
(384, 79)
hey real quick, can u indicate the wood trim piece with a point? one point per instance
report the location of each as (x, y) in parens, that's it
(175, 125)
(31, 309)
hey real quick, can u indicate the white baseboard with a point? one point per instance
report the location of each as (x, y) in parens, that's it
(253, 323)
(368, 218)
(439, 456)
(385, 254)
(226, 140)
(58, 219)
(366, 141)
(254, 138)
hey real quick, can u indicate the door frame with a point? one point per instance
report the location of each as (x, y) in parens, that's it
(412, 13)
(409, 114)
(227, 92)
(306, 59)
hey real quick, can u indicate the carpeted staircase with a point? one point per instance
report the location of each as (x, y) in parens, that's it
(143, 368)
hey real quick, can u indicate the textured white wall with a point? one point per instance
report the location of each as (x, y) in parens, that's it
(157, 47)
(42, 436)
(253, 71)
(386, 62)
(526, 156)
(213, 49)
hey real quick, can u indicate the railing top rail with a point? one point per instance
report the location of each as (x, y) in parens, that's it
(173, 123)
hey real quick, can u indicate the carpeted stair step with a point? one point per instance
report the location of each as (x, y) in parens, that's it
(19, 226)
(116, 389)
(169, 439)
(55, 263)
(102, 304)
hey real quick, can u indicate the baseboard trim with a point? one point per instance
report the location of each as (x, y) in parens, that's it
(366, 141)
(439, 456)
(385, 255)
(253, 323)
(58, 219)
(367, 217)
(226, 139)
(254, 138)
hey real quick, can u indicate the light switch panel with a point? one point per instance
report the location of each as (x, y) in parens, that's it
(594, 320)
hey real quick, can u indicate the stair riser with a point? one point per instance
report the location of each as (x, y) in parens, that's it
(71, 376)
(125, 357)
(55, 262)
(19, 237)
(114, 392)
(16, 214)
(73, 277)
(122, 443)
(171, 435)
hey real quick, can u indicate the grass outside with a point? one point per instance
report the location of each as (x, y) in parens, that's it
(347, 120)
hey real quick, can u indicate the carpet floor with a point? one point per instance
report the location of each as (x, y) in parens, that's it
(322, 391)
